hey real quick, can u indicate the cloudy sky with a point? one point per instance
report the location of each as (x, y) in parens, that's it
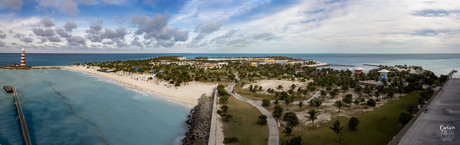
(230, 26)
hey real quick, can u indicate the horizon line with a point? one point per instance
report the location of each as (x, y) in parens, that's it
(204, 53)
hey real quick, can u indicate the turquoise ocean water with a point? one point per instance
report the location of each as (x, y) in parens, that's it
(64, 107)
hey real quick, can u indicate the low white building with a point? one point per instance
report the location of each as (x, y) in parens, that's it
(182, 58)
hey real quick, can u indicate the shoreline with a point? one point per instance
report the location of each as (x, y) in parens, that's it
(184, 95)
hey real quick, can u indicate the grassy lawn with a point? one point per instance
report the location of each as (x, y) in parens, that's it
(246, 129)
(375, 128)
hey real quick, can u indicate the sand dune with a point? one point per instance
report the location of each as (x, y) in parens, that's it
(186, 95)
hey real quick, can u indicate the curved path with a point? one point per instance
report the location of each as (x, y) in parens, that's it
(273, 135)
(316, 95)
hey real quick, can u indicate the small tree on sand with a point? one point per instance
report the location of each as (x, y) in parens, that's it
(313, 115)
(339, 104)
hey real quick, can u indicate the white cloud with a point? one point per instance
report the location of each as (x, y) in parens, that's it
(357, 26)
(214, 26)
(207, 10)
(204, 29)
(156, 29)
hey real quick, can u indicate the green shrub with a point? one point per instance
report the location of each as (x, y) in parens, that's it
(291, 118)
(278, 111)
(293, 141)
(353, 123)
(227, 117)
(347, 99)
(404, 118)
(265, 102)
(262, 120)
(224, 108)
(230, 140)
(221, 90)
(371, 102)
(223, 100)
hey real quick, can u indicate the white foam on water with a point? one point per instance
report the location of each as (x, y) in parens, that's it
(178, 140)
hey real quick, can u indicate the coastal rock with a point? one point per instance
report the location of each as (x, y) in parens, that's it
(199, 122)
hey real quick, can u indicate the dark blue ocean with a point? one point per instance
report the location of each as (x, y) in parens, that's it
(438, 63)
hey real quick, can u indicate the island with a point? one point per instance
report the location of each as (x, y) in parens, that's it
(304, 99)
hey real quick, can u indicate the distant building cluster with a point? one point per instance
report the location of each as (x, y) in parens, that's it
(220, 62)
(191, 63)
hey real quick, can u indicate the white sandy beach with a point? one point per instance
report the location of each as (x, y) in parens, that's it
(186, 95)
(273, 84)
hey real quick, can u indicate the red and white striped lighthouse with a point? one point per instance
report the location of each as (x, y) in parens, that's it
(23, 58)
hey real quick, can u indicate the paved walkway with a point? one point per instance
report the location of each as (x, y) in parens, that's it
(213, 129)
(273, 135)
(442, 113)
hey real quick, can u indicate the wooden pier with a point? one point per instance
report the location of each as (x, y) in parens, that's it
(21, 117)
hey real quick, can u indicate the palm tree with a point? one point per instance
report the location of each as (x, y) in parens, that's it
(299, 90)
(323, 93)
(391, 93)
(311, 103)
(254, 90)
(305, 92)
(316, 102)
(336, 128)
(367, 90)
(279, 88)
(358, 89)
(339, 104)
(289, 99)
(288, 131)
(400, 88)
(333, 93)
(313, 115)
(293, 86)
